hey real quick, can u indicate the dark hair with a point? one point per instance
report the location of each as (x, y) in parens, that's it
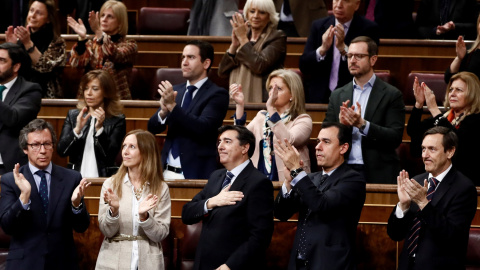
(245, 136)
(18, 55)
(33, 126)
(206, 50)
(344, 135)
(450, 139)
(371, 44)
(111, 100)
(52, 15)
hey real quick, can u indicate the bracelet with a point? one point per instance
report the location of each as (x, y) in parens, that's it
(78, 207)
(31, 49)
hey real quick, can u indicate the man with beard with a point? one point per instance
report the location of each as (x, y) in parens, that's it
(19, 104)
(375, 110)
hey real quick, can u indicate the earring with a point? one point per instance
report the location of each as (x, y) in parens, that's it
(291, 99)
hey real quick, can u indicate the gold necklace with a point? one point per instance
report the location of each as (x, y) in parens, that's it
(138, 192)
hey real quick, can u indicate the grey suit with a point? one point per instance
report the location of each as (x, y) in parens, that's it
(386, 113)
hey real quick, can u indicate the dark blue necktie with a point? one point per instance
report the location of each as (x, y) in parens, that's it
(187, 99)
(228, 179)
(43, 190)
(417, 224)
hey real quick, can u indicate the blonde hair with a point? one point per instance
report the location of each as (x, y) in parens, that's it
(111, 100)
(120, 12)
(263, 5)
(477, 41)
(294, 83)
(472, 96)
(150, 164)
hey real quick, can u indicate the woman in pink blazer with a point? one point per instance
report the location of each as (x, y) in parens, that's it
(284, 118)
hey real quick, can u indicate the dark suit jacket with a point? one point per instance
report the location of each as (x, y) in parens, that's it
(21, 105)
(237, 235)
(317, 74)
(331, 226)
(445, 226)
(106, 146)
(462, 12)
(386, 113)
(304, 13)
(394, 18)
(40, 242)
(196, 128)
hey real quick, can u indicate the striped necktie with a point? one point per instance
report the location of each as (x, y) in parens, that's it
(228, 179)
(417, 224)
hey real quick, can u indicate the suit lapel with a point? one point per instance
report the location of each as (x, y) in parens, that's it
(12, 92)
(200, 93)
(444, 186)
(374, 100)
(56, 190)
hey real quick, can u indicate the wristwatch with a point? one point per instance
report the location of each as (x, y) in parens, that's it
(362, 127)
(294, 173)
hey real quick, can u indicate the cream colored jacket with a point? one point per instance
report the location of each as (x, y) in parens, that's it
(117, 255)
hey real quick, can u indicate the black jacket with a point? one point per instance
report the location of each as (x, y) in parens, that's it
(106, 145)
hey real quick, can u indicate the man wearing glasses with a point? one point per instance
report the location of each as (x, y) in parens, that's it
(375, 110)
(40, 205)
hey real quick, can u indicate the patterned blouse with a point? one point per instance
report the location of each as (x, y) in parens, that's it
(49, 68)
(114, 53)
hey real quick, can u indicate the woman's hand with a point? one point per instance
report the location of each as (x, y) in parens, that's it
(146, 204)
(460, 48)
(418, 93)
(430, 100)
(99, 113)
(239, 27)
(81, 120)
(236, 93)
(10, 36)
(23, 34)
(77, 27)
(94, 22)
(272, 98)
(112, 200)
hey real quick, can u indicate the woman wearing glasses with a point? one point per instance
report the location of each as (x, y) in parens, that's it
(92, 133)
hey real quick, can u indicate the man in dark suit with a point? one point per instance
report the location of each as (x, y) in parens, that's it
(377, 115)
(40, 205)
(192, 112)
(394, 18)
(296, 16)
(19, 103)
(440, 19)
(235, 207)
(323, 60)
(329, 202)
(433, 216)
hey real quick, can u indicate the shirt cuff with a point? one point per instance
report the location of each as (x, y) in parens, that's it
(205, 209)
(99, 132)
(25, 206)
(160, 120)
(285, 193)
(110, 215)
(299, 177)
(364, 132)
(240, 121)
(399, 213)
(319, 57)
(78, 136)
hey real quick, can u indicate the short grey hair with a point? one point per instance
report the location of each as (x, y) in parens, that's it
(263, 5)
(33, 126)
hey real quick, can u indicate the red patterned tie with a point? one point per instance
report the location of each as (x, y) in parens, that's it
(417, 224)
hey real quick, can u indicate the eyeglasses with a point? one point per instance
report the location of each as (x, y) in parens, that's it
(36, 146)
(358, 56)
